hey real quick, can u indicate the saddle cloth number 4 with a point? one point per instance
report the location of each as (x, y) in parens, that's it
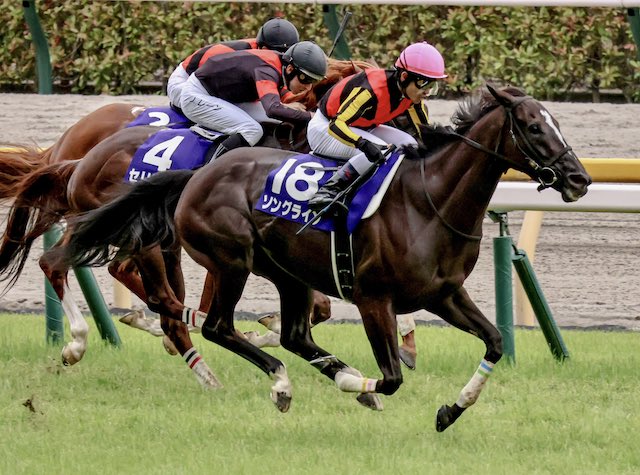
(160, 154)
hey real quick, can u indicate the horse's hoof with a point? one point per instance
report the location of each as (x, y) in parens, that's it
(270, 340)
(370, 400)
(169, 346)
(282, 400)
(447, 415)
(408, 358)
(70, 357)
(272, 322)
(132, 316)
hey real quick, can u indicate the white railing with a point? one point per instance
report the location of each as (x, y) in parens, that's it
(616, 189)
(454, 3)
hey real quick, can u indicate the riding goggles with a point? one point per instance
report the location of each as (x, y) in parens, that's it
(425, 83)
(305, 78)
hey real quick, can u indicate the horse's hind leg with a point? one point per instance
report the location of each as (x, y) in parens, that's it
(126, 273)
(459, 310)
(269, 339)
(155, 267)
(408, 352)
(296, 302)
(57, 272)
(220, 329)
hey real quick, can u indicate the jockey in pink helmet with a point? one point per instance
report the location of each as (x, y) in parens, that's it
(423, 60)
(351, 115)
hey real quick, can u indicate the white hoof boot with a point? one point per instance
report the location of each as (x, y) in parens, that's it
(205, 376)
(281, 391)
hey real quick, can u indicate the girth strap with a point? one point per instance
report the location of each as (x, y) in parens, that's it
(342, 257)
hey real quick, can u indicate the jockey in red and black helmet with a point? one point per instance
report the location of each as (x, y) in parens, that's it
(276, 34)
(350, 117)
(212, 95)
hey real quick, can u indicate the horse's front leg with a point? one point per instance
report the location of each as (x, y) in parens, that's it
(57, 273)
(459, 310)
(380, 324)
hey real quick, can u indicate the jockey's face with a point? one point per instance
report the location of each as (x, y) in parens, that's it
(298, 84)
(414, 93)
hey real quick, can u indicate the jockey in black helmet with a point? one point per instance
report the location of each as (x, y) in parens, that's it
(276, 34)
(212, 95)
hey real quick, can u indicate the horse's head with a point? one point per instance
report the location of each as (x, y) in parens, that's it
(538, 146)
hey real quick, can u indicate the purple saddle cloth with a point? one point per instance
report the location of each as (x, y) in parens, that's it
(290, 186)
(161, 117)
(168, 149)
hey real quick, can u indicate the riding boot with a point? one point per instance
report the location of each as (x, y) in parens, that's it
(231, 142)
(336, 184)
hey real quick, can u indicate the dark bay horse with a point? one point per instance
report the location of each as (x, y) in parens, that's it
(69, 185)
(102, 149)
(413, 253)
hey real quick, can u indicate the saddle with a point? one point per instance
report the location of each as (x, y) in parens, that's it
(289, 187)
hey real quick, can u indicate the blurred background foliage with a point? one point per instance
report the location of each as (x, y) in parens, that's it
(127, 47)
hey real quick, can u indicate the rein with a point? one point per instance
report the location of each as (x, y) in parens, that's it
(544, 174)
(470, 237)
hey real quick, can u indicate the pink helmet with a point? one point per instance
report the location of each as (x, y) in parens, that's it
(422, 59)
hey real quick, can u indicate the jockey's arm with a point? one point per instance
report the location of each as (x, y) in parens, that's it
(356, 104)
(270, 99)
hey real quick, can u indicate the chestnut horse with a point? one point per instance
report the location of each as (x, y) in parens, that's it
(18, 161)
(66, 187)
(413, 253)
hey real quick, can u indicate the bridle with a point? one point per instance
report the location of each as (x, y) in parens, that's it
(545, 174)
(542, 172)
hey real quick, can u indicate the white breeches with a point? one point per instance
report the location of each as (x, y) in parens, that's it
(217, 114)
(323, 143)
(176, 81)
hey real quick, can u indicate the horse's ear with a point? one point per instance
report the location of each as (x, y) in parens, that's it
(502, 97)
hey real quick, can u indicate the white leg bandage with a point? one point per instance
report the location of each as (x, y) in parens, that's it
(193, 317)
(354, 384)
(472, 390)
(406, 324)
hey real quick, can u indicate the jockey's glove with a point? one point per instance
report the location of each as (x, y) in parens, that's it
(372, 151)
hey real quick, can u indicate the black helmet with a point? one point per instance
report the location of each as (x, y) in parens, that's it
(308, 58)
(277, 34)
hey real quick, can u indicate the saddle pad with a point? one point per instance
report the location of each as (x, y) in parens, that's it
(161, 117)
(168, 149)
(296, 180)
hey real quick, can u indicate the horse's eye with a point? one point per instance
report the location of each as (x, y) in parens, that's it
(535, 129)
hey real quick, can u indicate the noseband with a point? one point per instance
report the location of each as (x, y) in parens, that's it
(545, 174)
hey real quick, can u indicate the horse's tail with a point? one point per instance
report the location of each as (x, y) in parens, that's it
(141, 218)
(15, 163)
(40, 202)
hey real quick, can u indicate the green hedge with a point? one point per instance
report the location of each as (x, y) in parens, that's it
(118, 47)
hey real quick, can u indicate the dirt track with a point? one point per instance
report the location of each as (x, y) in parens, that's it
(586, 262)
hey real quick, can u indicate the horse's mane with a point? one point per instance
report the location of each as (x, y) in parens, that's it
(476, 106)
(336, 70)
(470, 110)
